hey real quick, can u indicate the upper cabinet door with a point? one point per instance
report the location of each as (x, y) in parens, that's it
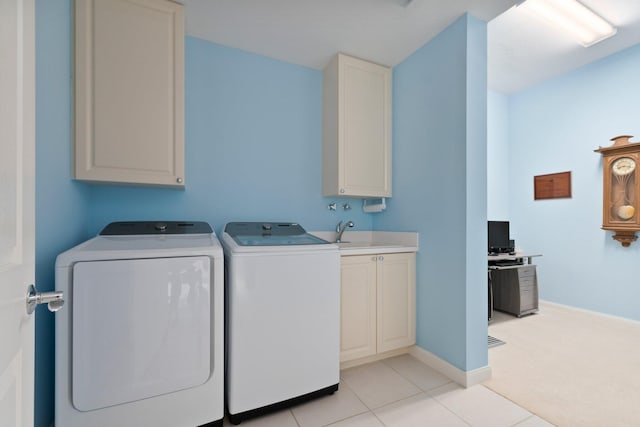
(356, 128)
(129, 91)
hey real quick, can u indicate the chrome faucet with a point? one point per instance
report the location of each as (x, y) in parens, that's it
(340, 229)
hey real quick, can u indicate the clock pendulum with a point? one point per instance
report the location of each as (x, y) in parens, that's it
(622, 170)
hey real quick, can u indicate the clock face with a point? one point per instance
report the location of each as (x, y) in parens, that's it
(623, 166)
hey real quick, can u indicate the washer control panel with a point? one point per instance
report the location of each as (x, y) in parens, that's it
(130, 228)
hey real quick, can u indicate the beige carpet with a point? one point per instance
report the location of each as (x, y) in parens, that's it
(570, 367)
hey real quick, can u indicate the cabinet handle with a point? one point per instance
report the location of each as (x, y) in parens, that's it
(342, 190)
(179, 180)
(373, 258)
(380, 258)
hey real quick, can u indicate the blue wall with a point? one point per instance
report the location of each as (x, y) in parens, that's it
(253, 132)
(555, 127)
(439, 167)
(497, 157)
(61, 205)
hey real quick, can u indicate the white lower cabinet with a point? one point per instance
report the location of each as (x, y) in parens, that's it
(378, 299)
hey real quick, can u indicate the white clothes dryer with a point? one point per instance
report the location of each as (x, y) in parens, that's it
(140, 340)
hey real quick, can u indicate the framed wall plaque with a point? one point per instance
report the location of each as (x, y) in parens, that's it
(552, 186)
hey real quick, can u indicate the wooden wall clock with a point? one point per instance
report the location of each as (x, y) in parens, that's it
(621, 188)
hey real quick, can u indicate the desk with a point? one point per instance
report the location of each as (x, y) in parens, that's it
(512, 288)
(511, 257)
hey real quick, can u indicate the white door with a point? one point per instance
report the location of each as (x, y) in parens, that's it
(17, 161)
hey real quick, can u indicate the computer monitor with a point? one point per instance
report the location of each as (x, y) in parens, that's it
(498, 237)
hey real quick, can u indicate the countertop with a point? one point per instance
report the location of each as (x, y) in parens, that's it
(372, 242)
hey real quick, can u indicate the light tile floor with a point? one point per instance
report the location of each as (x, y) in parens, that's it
(401, 392)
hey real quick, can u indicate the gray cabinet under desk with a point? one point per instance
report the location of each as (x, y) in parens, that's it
(515, 289)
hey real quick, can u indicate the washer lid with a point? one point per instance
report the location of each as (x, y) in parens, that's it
(270, 234)
(129, 228)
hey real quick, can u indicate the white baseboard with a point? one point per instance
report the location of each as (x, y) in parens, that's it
(374, 358)
(464, 378)
(595, 313)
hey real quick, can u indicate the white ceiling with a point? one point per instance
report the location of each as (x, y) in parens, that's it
(522, 50)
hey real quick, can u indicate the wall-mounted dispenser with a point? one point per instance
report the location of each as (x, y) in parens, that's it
(374, 205)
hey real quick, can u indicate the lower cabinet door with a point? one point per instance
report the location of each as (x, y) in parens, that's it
(396, 287)
(357, 307)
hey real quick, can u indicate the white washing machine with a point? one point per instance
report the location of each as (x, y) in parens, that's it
(140, 339)
(283, 317)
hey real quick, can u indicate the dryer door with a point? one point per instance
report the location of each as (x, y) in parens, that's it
(141, 328)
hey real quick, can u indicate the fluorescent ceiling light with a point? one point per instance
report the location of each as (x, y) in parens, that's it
(574, 17)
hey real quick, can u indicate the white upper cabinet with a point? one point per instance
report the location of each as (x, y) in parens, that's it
(129, 91)
(356, 134)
